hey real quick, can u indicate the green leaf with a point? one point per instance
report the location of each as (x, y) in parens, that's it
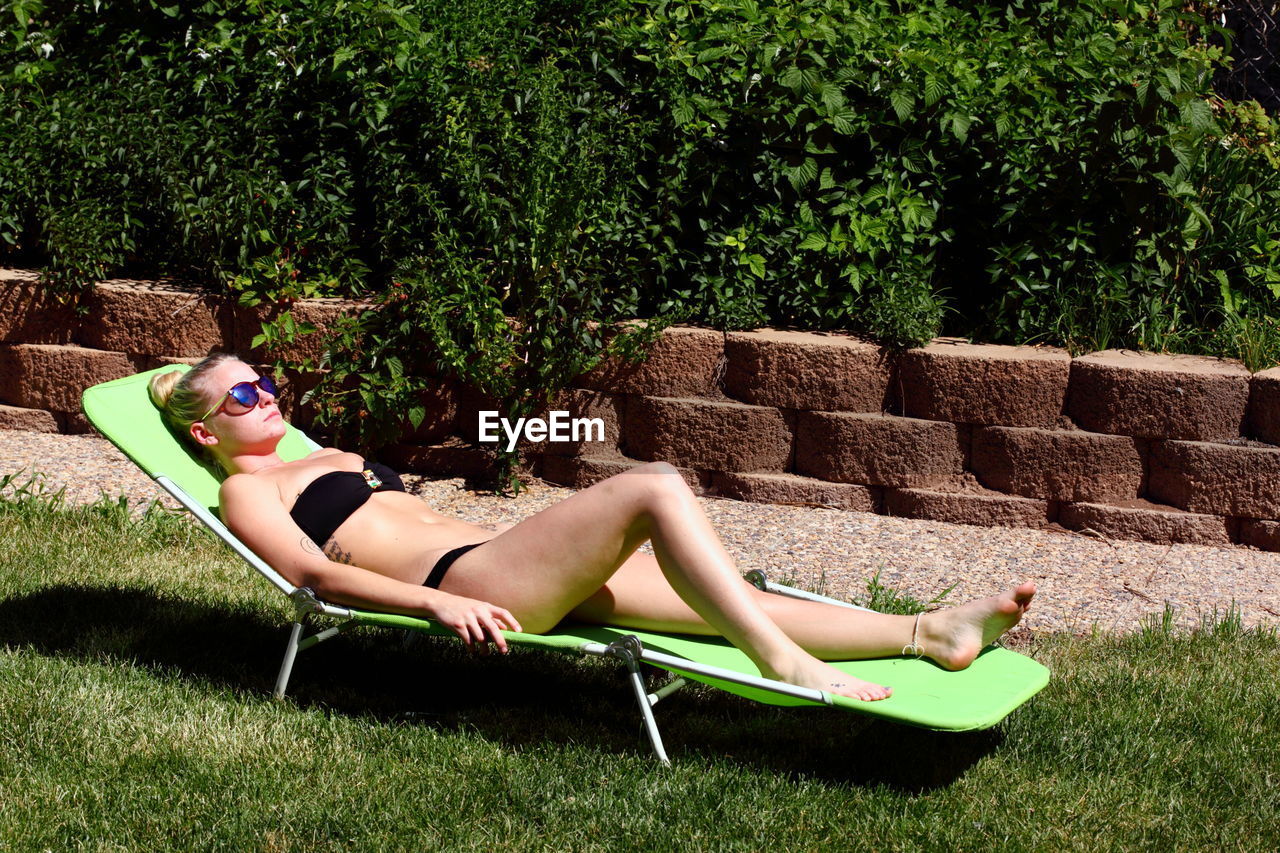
(1198, 115)
(1002, 124)
(934, 89)
(904, 103)
(804, 173)
(396, 367)
(342, 55)
(832, 97)
(756, 262)
(1230, 301)
(813, 241)
(843, 120)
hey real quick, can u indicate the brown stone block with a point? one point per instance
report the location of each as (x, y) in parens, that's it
(148, 362)
(987, 509)
(1264, 406)
(681, 363)
(805, 370)
(881, 450)
(1057, 465)
(721, 436)
(608, 408)
(582, 473)
(576, 473)
(29, 420)
(1260, 533)
(322, 313)
(793, 490)
(451, 458)
(74, 423)
(952, 380)
(155, 319)
(1221, 479)
(1149, 522)
(52, 376)
(1159, 396)
(31, 313)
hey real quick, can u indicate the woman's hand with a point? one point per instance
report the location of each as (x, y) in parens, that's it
(478, 623)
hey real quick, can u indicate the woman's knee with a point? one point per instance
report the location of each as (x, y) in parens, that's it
(660, 481)
(665, 492)
(646, 490)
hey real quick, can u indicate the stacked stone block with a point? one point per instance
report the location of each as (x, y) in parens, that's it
(1118, 444)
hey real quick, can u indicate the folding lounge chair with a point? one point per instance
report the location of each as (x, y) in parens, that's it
(924, 694)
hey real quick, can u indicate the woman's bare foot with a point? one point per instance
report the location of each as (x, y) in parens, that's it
(823, 676)
(954, 637)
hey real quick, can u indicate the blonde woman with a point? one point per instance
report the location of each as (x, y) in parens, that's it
(344, 527)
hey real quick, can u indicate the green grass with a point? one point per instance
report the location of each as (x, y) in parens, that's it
(136, 662)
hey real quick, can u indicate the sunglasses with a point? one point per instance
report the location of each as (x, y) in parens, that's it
(244, 394)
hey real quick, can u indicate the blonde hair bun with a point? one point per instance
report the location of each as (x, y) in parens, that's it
(161, 387)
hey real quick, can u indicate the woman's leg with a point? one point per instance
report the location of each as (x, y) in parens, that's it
(638, 596)
(553, 561)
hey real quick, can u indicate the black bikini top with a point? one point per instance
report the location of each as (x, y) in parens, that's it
(331, 498)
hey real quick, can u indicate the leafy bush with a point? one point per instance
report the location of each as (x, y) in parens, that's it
(1006, 161)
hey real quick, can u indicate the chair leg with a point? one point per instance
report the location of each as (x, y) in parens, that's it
(628, 649)
(286, 666)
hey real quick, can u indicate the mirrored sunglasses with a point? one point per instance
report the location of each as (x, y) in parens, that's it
(243, 396)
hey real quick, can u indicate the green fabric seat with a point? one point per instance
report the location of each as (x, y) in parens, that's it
(924, 694)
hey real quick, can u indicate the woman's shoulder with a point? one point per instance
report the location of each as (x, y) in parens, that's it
(246, 500)
(243, 484)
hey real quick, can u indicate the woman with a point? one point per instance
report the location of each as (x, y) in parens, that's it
(346, 529)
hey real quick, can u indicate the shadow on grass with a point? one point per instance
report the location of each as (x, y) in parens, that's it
(526, 700)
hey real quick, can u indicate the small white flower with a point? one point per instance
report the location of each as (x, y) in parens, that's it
(203, 54)
(46, 49)
(284, 18)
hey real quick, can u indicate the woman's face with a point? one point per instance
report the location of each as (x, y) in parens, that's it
(230, 426)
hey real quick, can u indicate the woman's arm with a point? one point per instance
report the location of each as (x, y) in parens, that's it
(252, 510)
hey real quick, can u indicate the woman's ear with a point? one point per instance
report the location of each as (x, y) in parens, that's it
(201, 434)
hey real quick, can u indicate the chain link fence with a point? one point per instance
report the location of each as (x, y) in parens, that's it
(1254, 50)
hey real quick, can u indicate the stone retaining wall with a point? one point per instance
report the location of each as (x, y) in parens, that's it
(1166, 448)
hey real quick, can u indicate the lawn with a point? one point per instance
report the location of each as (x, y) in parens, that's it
(137, 657)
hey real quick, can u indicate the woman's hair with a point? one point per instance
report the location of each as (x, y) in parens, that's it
(182, 397)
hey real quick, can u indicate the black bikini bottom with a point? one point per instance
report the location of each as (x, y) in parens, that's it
(442, 565)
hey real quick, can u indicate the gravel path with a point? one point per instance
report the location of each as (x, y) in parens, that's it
(1084, 582)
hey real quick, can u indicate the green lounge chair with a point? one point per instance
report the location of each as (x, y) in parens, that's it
(924, 694)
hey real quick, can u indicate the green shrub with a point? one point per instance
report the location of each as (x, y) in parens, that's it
(1004, 161)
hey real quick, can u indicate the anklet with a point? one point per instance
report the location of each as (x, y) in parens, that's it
(913, 647)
